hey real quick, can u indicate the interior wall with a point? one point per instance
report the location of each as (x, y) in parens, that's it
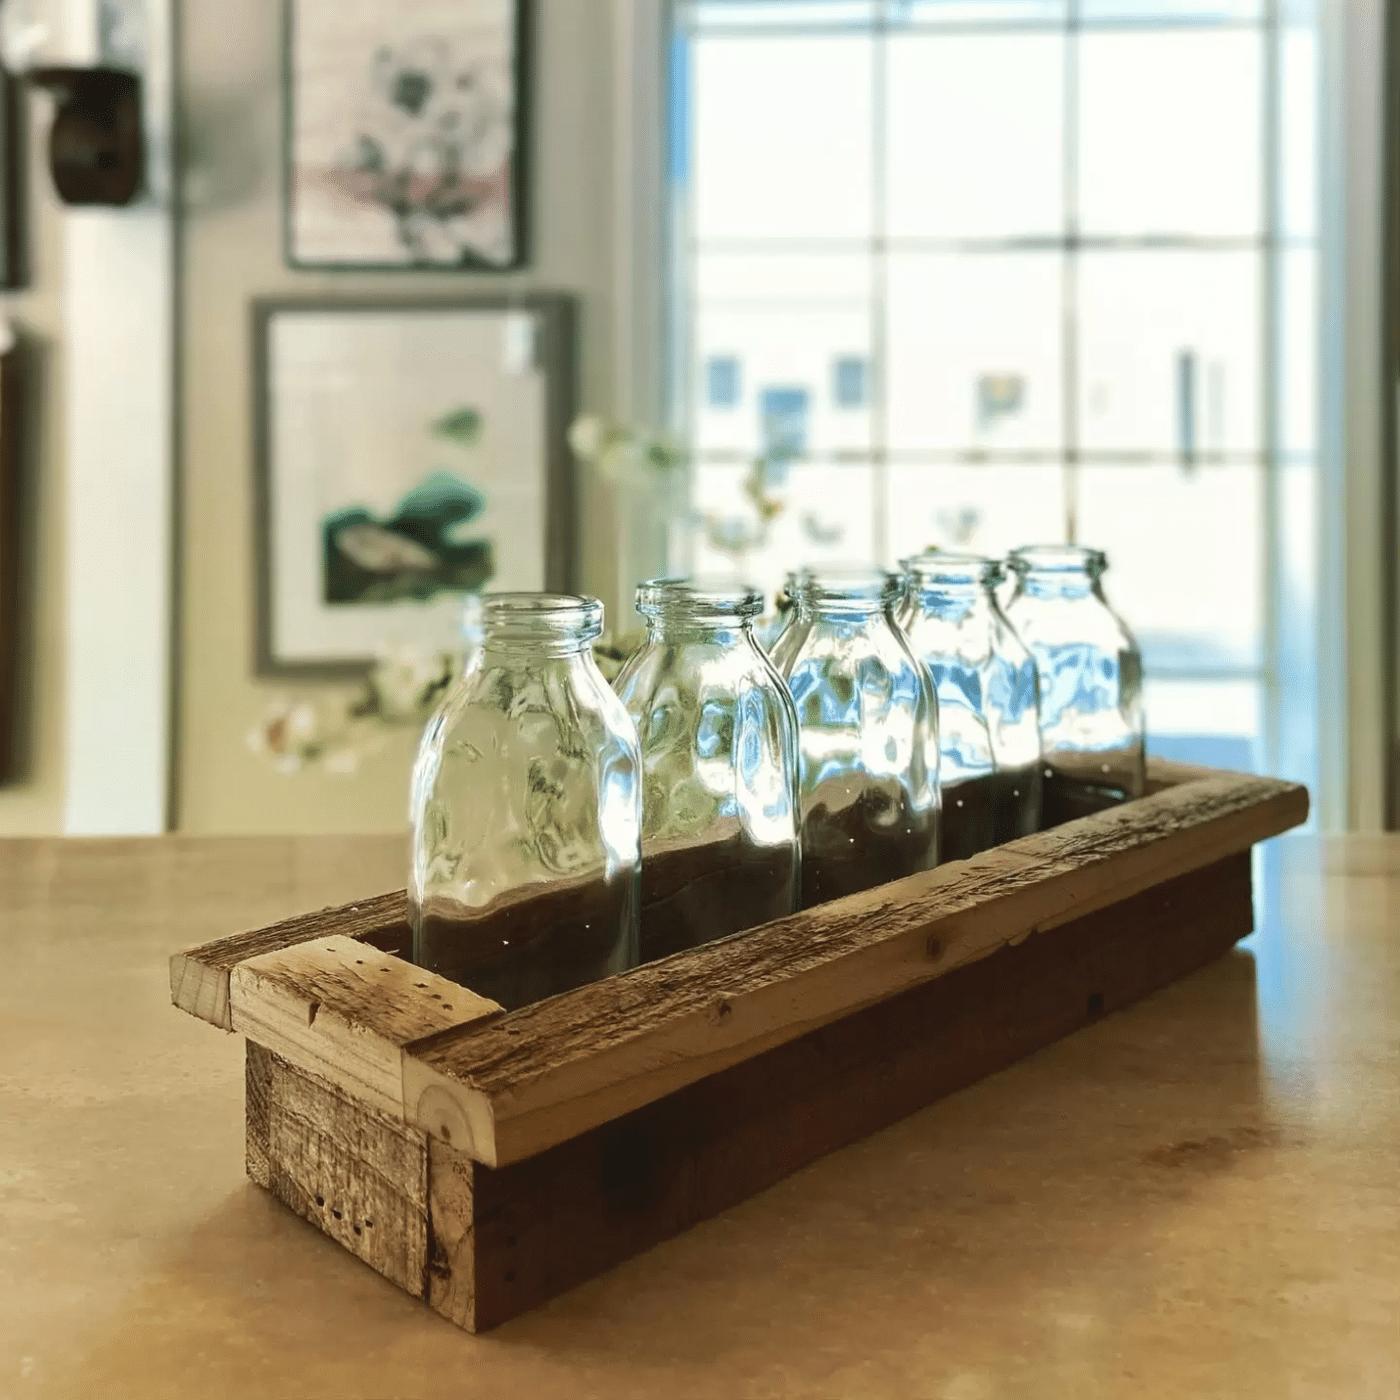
(230, 104)
(33, 803)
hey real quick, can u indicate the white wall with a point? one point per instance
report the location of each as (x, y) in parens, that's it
(230, 104)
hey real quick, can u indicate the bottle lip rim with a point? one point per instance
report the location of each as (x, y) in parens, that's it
(528, 613)
(700, 596)
(1057, 559)
(846, 583)
(947, 566)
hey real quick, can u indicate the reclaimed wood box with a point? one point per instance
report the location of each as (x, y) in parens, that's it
(487, 1160)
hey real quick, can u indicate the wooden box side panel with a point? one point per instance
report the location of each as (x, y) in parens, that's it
(509, 1087)
(542, 1225)
(355, 1173)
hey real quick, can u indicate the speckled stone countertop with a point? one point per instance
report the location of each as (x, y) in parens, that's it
(1199, 1197)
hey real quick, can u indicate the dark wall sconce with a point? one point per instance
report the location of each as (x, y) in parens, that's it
(97, 152)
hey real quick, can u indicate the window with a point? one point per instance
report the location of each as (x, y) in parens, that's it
(1008, 271)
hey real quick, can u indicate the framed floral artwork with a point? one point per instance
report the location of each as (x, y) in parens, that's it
(407, 454)
(405, 137)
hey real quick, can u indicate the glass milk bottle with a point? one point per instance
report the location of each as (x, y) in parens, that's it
(527, 810)
(988, 732)
(1090, 674)
(868, 734)
(718, 739)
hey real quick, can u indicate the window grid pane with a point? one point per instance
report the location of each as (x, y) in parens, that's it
(901, 423)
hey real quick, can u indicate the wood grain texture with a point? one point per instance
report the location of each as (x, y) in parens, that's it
(344, 1011)
(452, 1242)
(511, 1087)
(355, 1174)
(199, 977)
(542, 1225)
(257, 1100)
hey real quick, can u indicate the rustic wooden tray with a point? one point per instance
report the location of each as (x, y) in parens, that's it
(487, 1160)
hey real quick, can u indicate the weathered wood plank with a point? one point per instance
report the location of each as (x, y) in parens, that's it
(355, 1174)
(257, 1094)
(344, 1011)
(506, 1089)
(199, 977)
(542, 1225)
(452, 1244)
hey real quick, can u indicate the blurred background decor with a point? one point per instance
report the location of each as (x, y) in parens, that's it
(409, 455)
(336, 733)
(11, 389)
(405, 127)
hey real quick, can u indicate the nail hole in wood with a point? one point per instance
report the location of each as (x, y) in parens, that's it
(320, 1200)
(336, 1213)
(510, 1239)
(1095, 1004)
(357, 1229)
(934, 949)
(510, 1275)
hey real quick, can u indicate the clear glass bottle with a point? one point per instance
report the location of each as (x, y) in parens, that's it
(988, 730)
(526, 810)
(868, 733)
(1090, 674)
(718, 738)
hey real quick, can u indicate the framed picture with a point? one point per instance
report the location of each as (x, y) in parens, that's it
(406, 133)
(406, 454)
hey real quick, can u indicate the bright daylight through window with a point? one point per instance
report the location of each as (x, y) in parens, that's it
(999, 272)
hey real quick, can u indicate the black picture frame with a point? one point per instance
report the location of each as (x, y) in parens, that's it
(518, 184)
(555, 356)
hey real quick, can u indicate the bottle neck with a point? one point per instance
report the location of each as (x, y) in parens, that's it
(846, 598)
(531, 626)
(698, 610)
(1058, 584)
(1058, 571)
(718, 630)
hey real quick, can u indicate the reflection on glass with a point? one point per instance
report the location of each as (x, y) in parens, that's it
(1169, 133)
(974, 135)
(782, 136)
(1140, 313)
(1187, 565)
(956, 320)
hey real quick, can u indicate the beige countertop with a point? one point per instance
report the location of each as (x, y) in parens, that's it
(1199, 1197)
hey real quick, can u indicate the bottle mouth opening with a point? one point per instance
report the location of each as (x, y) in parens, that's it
(852, 586)
(940, 568)
(530, 616)
(1057, 559)
(699, 599)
